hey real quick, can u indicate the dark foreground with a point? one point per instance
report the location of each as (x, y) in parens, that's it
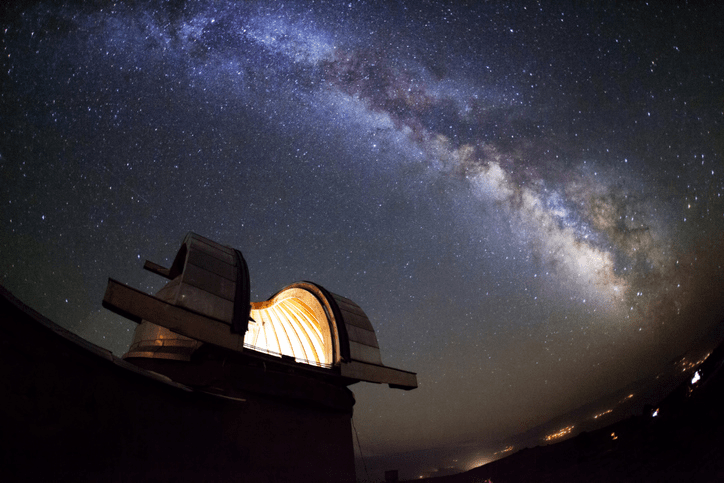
(71, 411)
(683, 442)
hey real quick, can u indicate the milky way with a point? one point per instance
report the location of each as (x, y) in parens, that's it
(525, 200)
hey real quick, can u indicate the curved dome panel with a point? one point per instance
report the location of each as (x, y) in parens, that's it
(293, 323)
(207, 301)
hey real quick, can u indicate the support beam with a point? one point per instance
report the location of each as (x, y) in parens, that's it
(396, 378)
(157, 269)
(137, 306)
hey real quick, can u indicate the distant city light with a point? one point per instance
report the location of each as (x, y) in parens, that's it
(696, 377)
(688, 365)
(478, 462)
(560, 433)
(613, 436)
(507, 449)
(655, 413)
(607, 411)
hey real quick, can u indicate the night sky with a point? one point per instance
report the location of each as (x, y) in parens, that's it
(526, 200)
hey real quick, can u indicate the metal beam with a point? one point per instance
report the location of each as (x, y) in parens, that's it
(137, 306)
(396, 378)
(157, 269)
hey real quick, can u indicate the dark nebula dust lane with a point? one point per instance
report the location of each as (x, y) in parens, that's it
(526, 200)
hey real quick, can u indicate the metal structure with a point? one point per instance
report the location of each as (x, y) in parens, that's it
(207, 302)
(214, 388)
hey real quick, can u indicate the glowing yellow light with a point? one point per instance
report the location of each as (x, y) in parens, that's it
(613, 436)
(607, 411)
(560, 433)
(507, 449)
(293, 323)
(478, 462)
(688, 365)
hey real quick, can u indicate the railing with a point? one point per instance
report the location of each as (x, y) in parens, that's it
(300, 360)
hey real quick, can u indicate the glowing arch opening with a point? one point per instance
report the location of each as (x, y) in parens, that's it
(292, 323)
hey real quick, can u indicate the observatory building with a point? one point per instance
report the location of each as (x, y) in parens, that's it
(207, 301)
(290, 358)
(213, 387)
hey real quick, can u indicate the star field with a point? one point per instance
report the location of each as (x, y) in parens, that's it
(526, 200)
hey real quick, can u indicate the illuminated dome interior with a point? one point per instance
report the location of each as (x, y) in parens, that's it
(293, 323)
